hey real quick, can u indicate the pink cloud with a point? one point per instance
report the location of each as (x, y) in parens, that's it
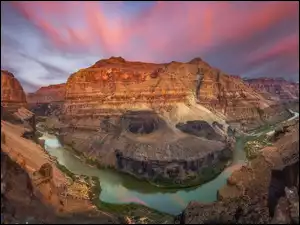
(166, 29)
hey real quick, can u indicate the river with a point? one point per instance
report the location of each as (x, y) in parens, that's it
(121, 188)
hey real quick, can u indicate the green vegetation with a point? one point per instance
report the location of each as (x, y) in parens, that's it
(253, 147)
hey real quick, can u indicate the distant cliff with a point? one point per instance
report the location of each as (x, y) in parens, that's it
(278, 89)
(51, 93)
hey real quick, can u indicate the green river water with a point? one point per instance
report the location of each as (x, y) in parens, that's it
(120, 188)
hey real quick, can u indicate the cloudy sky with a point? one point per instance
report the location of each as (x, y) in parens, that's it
(42, 43)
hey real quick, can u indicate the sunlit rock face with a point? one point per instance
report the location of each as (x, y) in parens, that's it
(12, 93)
(118, 84)
(51, 93)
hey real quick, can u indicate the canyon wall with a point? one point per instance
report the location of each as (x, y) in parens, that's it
(12, 93)
(277, 89)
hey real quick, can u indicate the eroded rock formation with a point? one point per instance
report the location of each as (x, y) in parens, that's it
(12, 93)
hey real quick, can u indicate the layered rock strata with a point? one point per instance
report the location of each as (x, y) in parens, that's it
(12, 93)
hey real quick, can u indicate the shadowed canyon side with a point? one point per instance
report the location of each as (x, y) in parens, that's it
(12, 93)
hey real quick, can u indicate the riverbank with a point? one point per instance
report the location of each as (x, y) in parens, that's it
(133, 212)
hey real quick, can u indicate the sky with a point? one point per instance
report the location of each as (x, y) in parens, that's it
(42, 43)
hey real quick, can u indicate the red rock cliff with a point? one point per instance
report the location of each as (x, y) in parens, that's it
(12, 93)
(117, 83)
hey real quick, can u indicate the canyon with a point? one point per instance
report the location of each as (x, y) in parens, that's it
(173, 125)
(149, 119)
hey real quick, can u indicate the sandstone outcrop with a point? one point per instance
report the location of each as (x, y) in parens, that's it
(12, 93)
(34, 190)
(21, 203)
(277, 89)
